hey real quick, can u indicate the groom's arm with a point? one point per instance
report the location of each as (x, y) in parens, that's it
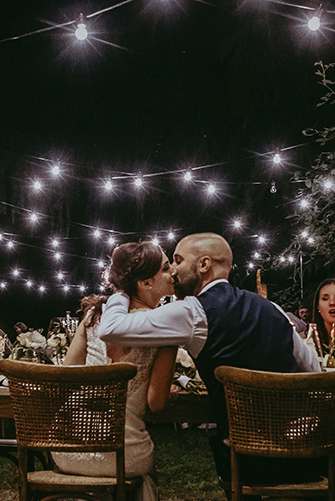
(177, 323)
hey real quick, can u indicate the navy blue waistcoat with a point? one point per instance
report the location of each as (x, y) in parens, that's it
(244, 330)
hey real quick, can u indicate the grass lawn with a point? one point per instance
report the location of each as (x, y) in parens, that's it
(184, 463)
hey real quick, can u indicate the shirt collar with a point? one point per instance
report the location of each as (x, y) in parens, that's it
(211, 284)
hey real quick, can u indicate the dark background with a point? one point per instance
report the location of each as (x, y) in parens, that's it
(195, 84)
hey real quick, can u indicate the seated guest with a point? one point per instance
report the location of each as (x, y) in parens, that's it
(19, 328)
(143, 271)
(299, 324)
(303, 313)
(219, 324)
(56, 327)
(324, 311)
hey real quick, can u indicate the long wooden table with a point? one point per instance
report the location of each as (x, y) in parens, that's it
(184, 407)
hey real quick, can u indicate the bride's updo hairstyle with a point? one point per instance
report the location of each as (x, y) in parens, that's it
(132, 262)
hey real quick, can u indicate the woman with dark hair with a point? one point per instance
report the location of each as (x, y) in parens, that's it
(324, 311)
(143, 271)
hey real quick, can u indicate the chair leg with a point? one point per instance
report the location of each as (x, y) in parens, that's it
(22, 457)
(331, 476)
(236, 488)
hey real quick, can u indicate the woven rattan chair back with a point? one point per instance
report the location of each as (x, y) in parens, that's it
(280, 415)
(69, 409)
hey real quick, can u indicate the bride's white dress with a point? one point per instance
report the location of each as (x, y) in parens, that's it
(139, 448)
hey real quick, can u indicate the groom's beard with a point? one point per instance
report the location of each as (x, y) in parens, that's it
(187, 286)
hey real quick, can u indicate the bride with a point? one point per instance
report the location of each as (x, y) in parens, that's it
(143, 271)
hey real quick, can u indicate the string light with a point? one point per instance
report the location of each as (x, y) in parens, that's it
(276, 158)
(111, 240)
(97, 233)
(55, 242)
(10, 244)
(57, 256)
(42, 288)
(251, 266)
(171, 235)
(81, 30)
(33, 217)
(29, 283)
(315, 22)
(257, 255)
(55, 169)
(138, 181)
(237, 224)
(3, 285)
(82, 288)
(310, 240)
(16, 272)
(37, 185)
(211, 188)
(290, 259)
(60, 275)
(261, 239)
(108, 185)
(282, 259)
(101, 264)
(304, 203)
(66, 288)
(155, 241)
(304, 234)
(273, 188)
(188, 176)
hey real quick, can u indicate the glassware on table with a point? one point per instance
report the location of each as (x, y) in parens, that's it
(313, 339)
(331, 356)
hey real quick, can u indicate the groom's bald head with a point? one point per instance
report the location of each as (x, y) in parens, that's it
(199, 259)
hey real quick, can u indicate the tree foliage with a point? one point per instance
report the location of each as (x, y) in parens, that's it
(314, 218)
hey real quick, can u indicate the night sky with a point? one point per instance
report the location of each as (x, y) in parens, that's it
(158, 87)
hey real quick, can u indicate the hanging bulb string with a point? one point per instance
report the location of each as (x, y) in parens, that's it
(63, 25)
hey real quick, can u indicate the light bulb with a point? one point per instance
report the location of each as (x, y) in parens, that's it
(55, 170)
(81, 31)
(314, 23)
(276, 158)
(138, 181)
(37, 185)
(108, 185)
(187, 176)
(273, 188)
(237, 224)
(97, 233)
(111, 240)
(170, 235)
(155, 241)
(211, 188)
(3, 285)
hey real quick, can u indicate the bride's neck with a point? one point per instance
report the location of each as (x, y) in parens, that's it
(137, 302)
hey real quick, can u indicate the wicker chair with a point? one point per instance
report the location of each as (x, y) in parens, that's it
(280, 416)
(69, 409)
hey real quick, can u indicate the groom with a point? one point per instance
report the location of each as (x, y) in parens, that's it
(218, 324)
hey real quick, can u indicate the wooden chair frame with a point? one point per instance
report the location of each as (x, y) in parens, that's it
(284, 416)
(69, 409)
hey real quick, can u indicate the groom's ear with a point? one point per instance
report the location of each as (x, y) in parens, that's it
(144, 284)
(204, 264)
